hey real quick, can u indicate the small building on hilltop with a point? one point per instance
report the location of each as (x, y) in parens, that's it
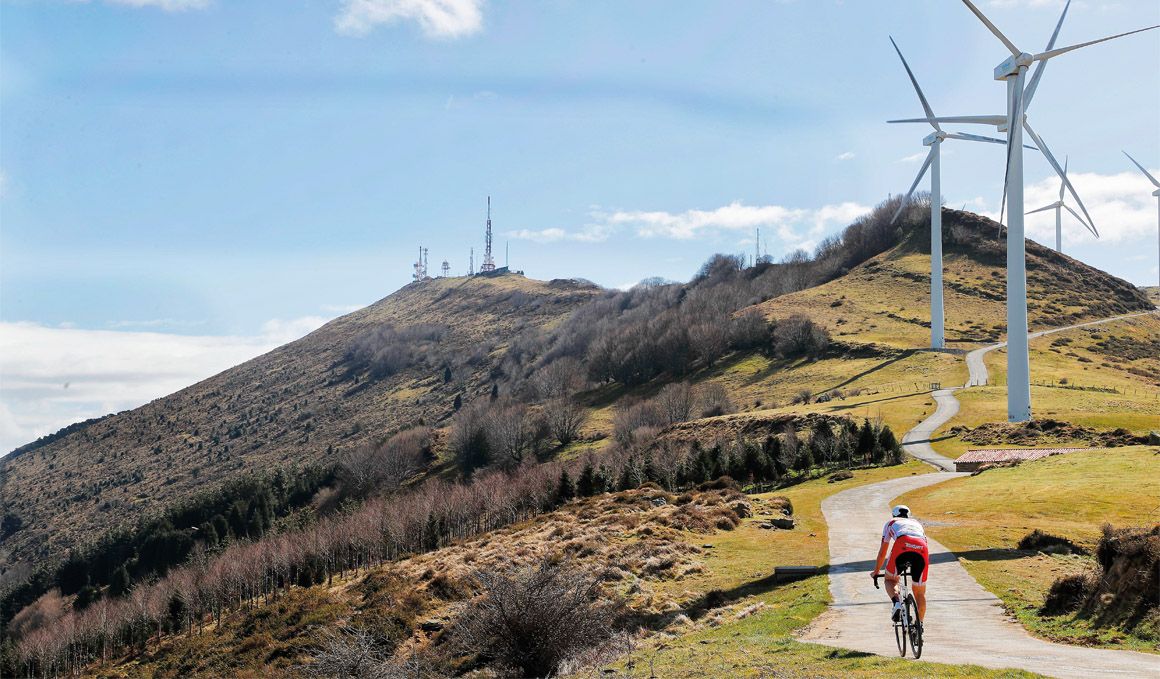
(972, 460)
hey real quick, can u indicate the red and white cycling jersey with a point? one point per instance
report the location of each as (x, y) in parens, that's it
(896, 528)
(910, 547)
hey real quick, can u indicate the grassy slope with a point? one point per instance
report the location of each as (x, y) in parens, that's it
(283, 409)
(982, 518)
(724, 641)
(1135, 405)
(752, 635)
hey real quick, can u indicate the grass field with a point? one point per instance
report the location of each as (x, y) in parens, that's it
(1070, 496)
(1091, 378)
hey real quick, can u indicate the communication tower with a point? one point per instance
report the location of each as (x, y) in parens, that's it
(488, 263)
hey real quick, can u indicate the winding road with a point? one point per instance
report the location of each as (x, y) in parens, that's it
(966, 624)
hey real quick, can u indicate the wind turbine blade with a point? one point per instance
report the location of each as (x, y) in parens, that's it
(969, 120)
(974, 137)
(1090, 223)
(1044, 209)
(1061, 187)
(921, 171)
(1049, 54)
(917, 89)
(1081, 221)
(987, 22)
(1029, 93)
(1147, 173)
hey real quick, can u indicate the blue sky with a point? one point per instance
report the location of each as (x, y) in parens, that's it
(226, 175)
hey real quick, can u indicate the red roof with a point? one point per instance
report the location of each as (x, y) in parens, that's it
(1009, 454)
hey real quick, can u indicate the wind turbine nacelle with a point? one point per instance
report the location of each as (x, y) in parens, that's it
(933, 137)
(1011, 65)
(1156, 193)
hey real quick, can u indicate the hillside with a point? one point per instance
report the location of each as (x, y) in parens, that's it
(724, 351)
(301, 404)
(340, 387)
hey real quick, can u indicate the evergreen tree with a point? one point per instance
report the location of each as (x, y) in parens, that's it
(866, 441)
(119, 584)
(458, 402)
(565, 489)
(446, 374)
(494, 391)
(889, 445)
(586, 484)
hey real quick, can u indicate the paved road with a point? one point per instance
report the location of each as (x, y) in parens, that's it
(967, 624)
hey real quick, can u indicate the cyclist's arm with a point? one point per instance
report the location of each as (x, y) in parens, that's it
(881, 556)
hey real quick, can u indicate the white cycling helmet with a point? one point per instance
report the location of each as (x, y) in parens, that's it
(900, 511)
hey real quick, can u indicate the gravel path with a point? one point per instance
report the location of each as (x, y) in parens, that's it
(965, 623)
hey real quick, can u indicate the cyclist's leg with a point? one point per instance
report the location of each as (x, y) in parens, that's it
(919, 592)
(920, 570)
(891, 571)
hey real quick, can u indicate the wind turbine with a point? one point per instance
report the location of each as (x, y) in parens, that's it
(1057, 206)
(933, 161)
(1150, 178)
(1013, 70)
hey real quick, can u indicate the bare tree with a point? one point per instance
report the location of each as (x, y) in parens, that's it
(676, 402)
(710, 340)
(562, 377)
(565, 417)
(713, 400)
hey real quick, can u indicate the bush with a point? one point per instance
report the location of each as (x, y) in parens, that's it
(1038, 541)
(1068, 593)
(533, 619)
(799, 336)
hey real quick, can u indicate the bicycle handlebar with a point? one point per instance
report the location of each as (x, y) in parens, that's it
(875, 579)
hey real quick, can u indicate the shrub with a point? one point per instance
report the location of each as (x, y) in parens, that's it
(532, 619)
(799, 336)
(1068, 593)
(1039, 541)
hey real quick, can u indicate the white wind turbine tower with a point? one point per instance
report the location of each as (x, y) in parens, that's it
(1154, 183)
(934, 141)
(1013, 70)
(1058, 206)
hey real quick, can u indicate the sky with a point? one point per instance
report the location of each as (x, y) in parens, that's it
(185, 184)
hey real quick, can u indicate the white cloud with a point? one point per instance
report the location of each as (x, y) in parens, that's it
(51, 377)
(847, 155)
(1121, 205)
(436, 18)
(914, 157)
(167, 5)
(794, 227)
(540, 236)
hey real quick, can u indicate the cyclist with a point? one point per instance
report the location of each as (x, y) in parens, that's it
(909, 547)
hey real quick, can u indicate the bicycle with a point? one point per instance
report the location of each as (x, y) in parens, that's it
(908, 628)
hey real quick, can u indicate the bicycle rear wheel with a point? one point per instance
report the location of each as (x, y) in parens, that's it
(900, 635)
(915, 627)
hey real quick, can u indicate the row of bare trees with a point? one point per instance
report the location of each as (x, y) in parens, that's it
(54, 641)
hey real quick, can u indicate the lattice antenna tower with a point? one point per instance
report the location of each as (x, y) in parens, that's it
(446, 269)
(471, 263)
(488, 262)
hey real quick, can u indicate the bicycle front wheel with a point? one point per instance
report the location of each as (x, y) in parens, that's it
(915, 627)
